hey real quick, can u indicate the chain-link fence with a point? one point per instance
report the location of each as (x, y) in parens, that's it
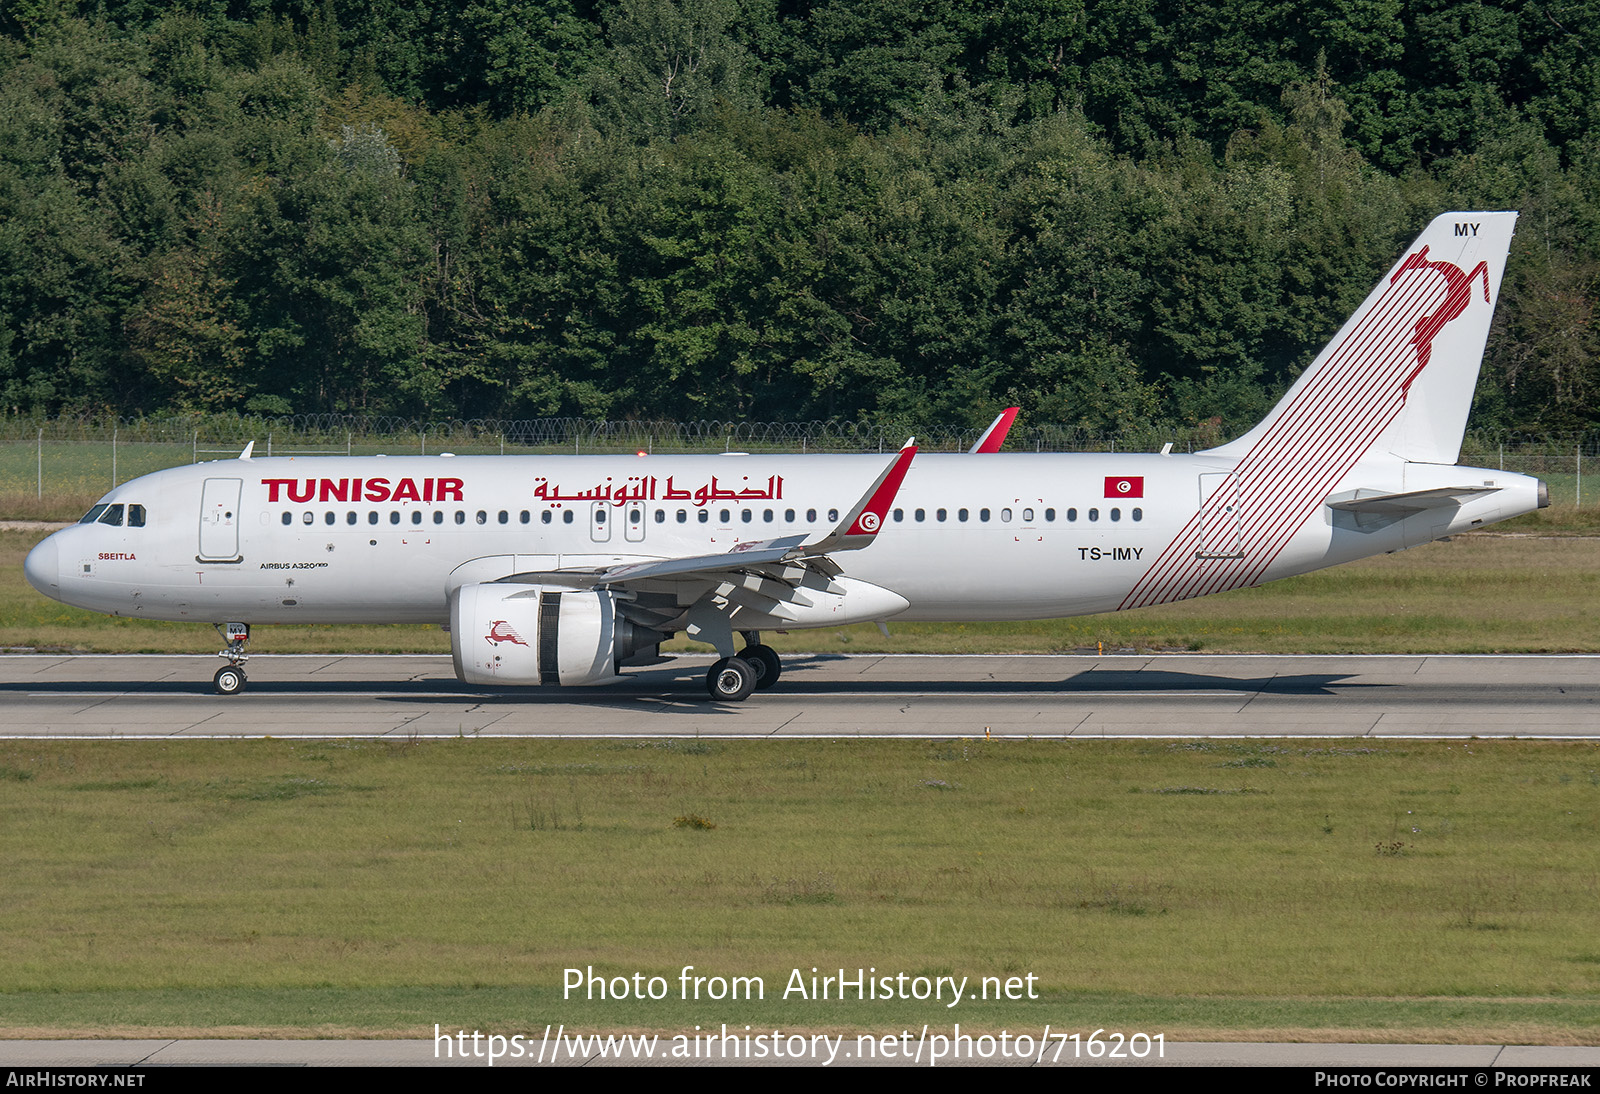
(77, 457)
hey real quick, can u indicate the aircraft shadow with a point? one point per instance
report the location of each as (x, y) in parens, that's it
(677, 684)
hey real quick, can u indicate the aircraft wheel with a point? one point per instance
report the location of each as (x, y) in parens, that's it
(731, 680)
(765, 660)
(229, 680)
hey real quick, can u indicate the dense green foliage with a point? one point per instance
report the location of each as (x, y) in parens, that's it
(1110, 211)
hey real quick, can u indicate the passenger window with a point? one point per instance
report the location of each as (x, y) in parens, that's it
(811, 516)
(438, 516)
(1138, 514)
(1094, 514)
(288, 518)
(307, 517)
(920, 515)
(766, 515)
(1049, 514)
(788, 516)
(705, 515)
(961, 515)
(599, 516)
(661, 516)
(566, 516)
(635, 516)
(461, 516)
(394, 516)
(1027, 516)
(899, 514)
(942, 514)
(372, 517)
(416, 516)
(544, 517)
(350, 517)
(833, 516)
(1072, 514)
(1005, 515)
(505, 517)
(683, 517)
(483, 518)
(725, 517)
(745, 515)
(983, 514)
(1116, 514)
(526, 516)
(329, 517)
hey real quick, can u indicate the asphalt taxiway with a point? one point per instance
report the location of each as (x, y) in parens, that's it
(1175, 695)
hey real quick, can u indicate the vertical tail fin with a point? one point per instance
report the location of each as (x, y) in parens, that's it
(1397, 378)
(1401, 372)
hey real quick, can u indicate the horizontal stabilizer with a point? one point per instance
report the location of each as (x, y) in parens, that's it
(1413, 501)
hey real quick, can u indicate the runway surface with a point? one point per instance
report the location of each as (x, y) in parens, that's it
(820, 696)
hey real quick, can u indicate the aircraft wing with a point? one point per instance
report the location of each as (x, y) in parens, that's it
(858, 528)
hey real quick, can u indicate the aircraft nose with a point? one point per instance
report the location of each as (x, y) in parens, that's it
(42, 567)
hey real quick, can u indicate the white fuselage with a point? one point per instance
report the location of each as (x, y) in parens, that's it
(970, 537)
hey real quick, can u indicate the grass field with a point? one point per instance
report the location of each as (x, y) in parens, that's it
(1529, 591)
(1333, 890)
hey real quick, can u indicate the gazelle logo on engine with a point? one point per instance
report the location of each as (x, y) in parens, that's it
(501, 631)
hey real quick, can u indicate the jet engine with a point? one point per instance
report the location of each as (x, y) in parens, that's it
(505, 633)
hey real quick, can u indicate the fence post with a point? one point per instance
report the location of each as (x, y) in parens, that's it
(114, 456)
(41, 462)
(1578, 483)
(347, 442)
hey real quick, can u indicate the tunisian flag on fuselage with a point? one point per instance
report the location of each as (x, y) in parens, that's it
(1127, 486)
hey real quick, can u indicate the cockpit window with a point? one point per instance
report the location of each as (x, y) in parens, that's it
(112, 516)
(93, 515)
(135, 516)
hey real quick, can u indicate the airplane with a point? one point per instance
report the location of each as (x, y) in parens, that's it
(555, 570)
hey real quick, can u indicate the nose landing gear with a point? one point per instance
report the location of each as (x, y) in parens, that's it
(230, 678)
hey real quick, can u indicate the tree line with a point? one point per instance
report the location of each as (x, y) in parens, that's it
(1112, 212)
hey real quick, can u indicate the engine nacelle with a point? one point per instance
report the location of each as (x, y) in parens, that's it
(502, 633)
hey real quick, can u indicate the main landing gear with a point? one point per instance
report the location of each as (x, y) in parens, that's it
(755, 668)
(230, 678)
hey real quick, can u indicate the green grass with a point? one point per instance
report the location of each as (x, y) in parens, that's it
(1388, 891)
(1527, 592)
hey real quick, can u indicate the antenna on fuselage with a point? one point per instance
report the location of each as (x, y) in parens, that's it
(249, 448)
